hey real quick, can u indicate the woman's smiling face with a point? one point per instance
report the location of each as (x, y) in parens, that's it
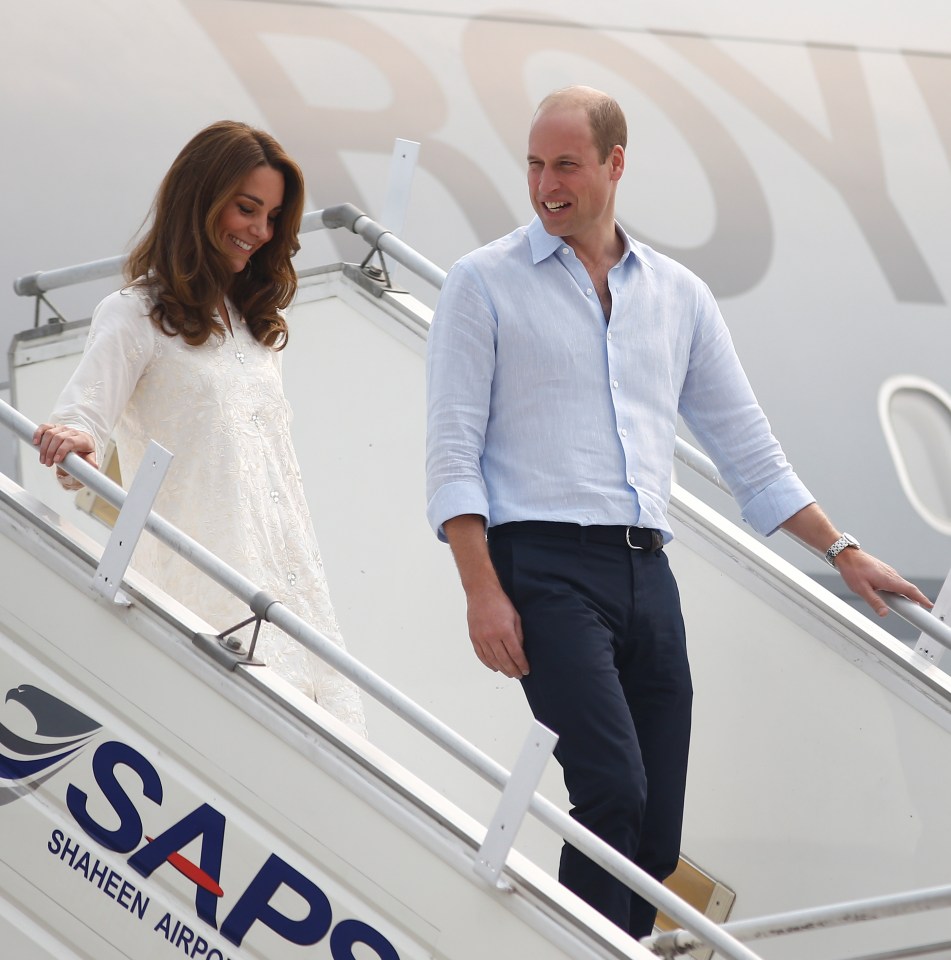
(247, 221)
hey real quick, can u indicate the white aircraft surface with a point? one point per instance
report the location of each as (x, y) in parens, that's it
(145, 764)
(797, 159)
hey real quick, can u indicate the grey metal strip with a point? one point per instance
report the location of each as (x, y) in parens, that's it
(514, 802)
(131, 520)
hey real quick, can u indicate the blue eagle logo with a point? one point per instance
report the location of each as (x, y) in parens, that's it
(61, 731)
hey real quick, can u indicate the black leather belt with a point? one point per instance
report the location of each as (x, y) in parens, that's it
(637, 538)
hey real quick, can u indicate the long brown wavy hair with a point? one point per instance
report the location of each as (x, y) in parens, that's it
(180, 259)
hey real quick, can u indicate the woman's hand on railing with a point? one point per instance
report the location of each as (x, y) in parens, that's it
(56, 441)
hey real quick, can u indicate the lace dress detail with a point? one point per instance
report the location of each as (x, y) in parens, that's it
(234, 484)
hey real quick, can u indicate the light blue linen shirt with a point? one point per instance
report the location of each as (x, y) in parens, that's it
(540, 410)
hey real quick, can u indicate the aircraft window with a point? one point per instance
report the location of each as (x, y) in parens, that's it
(916, 419)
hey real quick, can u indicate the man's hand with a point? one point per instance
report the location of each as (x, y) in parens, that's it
(864, 575)
(495, 630)
(495, 627)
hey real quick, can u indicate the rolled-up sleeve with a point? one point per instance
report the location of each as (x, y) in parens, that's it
(718, 404)
(460, 365)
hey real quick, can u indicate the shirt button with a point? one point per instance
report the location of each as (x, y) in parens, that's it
(610, 337)
(614, 384)
(589, 291)
(630, 480)
(564, 250)
(623, 432)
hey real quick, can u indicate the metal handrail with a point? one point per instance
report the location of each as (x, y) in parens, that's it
(678, 942)
(397, 702)
(350, 217)
(699, 462)
(379, 237)
(907, 953)
(915, 614)
(344, 215)
(726, 938)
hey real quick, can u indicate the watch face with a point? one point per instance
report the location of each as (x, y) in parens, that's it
(845, 541)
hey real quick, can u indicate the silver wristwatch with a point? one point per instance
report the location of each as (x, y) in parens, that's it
(846, 540)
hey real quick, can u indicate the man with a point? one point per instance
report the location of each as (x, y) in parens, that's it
(559, 358)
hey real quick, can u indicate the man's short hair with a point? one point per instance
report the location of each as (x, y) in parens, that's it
(608, 125)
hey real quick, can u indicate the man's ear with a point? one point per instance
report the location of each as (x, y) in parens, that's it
(616, 159)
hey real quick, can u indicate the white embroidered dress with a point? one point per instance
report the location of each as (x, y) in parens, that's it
(234, 484)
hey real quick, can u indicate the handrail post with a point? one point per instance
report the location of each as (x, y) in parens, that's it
(925, 645)
(514, 802)
(396, 201)
(131, 521)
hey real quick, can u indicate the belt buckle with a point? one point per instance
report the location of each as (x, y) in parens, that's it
(657, 540)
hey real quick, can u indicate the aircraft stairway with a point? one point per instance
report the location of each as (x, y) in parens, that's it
(160, 796)
(819, 773)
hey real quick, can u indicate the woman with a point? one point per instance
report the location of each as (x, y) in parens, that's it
(188, 354)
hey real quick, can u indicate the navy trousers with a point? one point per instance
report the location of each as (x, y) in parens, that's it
(606, 647)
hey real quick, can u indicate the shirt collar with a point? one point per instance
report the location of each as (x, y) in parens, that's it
(543, 244)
